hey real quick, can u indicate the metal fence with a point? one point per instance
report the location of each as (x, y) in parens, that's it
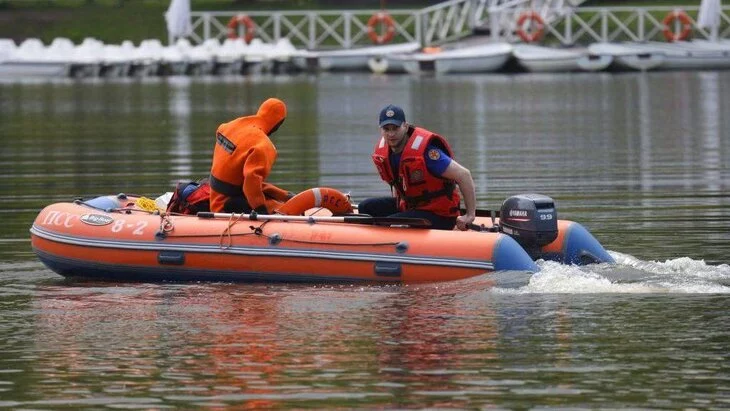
(584, 25)
(450, 21)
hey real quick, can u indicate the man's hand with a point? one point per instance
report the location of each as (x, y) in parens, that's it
(463, 221)
(462, 176)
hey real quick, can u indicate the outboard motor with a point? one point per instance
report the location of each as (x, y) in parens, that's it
(531, 220)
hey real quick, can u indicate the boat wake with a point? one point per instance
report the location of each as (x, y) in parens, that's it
(628, 275)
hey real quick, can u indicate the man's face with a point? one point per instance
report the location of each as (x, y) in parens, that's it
(394, 135)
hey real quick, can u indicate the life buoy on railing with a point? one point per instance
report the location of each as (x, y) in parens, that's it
(248, 26)
(320, 197)
(388, 34)
(668, 22)
(533, 35)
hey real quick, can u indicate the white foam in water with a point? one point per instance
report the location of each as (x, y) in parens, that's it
(681, 274)
(628, 275)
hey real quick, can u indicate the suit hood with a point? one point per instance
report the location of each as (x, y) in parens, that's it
(271, 112)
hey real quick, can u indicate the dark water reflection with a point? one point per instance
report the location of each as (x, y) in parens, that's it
(452, 345)
(640, 159)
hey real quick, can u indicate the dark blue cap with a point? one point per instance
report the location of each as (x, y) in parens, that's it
(391, 114)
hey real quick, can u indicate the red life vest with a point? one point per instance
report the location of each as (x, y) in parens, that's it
(416, 187)
(190, 197)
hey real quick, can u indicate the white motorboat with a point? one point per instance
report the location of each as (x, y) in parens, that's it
(689, 55)
(483, 58)
(350, 59)
(629, 58)
(721, 45)
(31, 59)
(548, 59)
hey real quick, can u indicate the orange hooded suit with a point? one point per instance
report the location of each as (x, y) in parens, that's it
(242, 160)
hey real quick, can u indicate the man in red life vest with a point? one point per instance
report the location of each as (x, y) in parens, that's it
(242, 159)
(419, 166)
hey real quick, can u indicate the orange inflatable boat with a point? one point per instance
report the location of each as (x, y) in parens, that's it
(115, 237)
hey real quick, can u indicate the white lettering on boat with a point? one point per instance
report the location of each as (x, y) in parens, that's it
(518, 213)
(118, 225)
(49, 217)
(96, 219)
(139, 226)
(59, 218)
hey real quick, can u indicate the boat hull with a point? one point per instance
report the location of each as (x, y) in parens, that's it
(547, 59)
(358, 59)
(475, 59)
(75, 240)
(34, 69)
(485, 64)
(628, 58)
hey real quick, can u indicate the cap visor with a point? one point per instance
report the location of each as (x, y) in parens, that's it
(390, 121)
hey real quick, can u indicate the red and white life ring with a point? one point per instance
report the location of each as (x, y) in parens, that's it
(249, 27)
(320, 197)
(388, 34)
(533, 35)
(668, 22)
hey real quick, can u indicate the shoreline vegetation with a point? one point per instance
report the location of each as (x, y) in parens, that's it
(113, 21)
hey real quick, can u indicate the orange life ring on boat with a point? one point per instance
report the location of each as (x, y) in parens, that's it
(381, 18)
(536, 34)
(323, 197)
(248, 26)
(669, 21)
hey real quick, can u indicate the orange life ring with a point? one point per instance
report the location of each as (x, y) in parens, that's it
(323, 197)
(431, 50)
(534, 35)
(669, 21)
(248, 26)
(381, 18)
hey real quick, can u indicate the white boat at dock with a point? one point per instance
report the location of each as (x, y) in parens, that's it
(92, 58)
(33, 59)
(626, 57)
(357, 59)
(548, 59)
(482, 58)
(683, 55)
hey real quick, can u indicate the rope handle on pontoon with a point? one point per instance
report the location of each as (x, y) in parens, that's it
(353, 219)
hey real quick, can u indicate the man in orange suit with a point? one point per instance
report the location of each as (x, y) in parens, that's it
(242, 160)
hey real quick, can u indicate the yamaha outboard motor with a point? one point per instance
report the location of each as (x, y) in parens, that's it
(531, 220)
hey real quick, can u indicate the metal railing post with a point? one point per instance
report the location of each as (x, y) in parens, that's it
(473, 20)
(569, 26)
(494, 28)
(277, 26)
(312, 30)
(642, 27)
(206, 26)
(348, 28)
(420, 26)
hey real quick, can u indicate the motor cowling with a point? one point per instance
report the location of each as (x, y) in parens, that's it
(531, 219)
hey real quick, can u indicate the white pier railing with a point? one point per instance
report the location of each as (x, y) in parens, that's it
(585, 25)
(453, 20)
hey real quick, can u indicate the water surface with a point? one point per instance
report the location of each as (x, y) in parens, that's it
(640, 159)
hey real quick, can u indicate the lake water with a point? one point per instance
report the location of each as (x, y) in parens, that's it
(641, 160)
